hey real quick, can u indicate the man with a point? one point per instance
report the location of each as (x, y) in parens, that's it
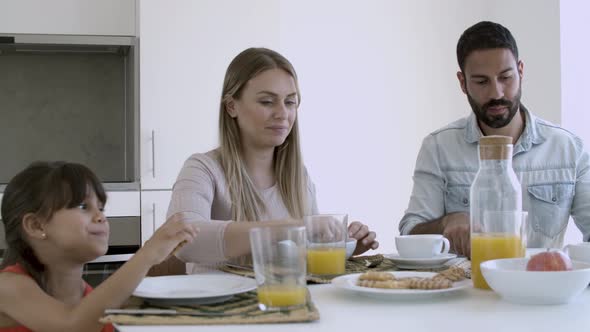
(550, 162)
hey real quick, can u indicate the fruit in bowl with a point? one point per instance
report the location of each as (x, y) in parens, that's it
(510, 278)
(549, 260)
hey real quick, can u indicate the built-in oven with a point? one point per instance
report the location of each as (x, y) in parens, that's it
(123, 212)
(124, 241)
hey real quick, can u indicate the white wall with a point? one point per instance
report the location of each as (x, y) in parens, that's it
(575, 73)
(378, 76)
(185, 48)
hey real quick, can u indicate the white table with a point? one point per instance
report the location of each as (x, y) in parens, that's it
(470, 310)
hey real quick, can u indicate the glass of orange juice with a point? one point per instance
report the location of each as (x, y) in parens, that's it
(279, 257)
(326, 244)
(502, 234)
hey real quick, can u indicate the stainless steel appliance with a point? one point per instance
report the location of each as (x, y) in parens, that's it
(76, 98)
(124, 240)
(70, 98)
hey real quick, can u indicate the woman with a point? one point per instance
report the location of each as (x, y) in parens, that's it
(256, 176)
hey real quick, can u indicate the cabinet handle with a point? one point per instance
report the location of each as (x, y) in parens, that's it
(154, 215)
(154, 154)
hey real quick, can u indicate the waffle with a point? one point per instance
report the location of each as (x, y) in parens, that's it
(376, 276)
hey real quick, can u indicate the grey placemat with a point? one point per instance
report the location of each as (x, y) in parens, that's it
(360, 264)
(240, 309)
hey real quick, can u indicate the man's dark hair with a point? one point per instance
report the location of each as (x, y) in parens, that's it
(482, 36)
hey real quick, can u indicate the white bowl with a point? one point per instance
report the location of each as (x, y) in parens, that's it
(350, 246)
(509, 278)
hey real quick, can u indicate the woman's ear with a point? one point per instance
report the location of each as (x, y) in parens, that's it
(33, 226)
(230, 107)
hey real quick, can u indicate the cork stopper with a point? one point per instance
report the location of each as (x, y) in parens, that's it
(495, 140)
(495, 147)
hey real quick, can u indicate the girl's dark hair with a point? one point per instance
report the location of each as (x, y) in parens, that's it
(42, 188)
(482, 36)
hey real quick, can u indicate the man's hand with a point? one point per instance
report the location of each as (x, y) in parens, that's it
(456, 228)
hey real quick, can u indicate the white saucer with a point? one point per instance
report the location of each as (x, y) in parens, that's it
(404, 262)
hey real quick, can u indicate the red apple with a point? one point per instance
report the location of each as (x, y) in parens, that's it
(549, 261)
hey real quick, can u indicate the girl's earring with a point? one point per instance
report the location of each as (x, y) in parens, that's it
(43, 236)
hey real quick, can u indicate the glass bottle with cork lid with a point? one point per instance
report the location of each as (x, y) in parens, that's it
(496, 207)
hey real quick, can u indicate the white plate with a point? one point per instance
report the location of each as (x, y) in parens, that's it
(403, 262)
(348, 283)
(192, 289)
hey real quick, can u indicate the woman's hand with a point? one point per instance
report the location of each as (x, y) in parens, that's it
(365, 238)
(174, 233)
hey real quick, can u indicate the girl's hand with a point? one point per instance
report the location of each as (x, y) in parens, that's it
(173, 234)
(365, 238)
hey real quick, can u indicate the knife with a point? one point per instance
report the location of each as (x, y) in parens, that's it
(162, 312)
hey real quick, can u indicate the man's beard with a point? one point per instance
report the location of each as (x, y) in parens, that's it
(496, 121)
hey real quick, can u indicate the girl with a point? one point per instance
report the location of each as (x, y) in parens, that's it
(256, 176)
(53, 215)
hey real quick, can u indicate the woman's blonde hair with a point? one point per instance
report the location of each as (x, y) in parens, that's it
(247, 204)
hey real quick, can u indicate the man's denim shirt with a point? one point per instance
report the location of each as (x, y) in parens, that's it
(550, 164)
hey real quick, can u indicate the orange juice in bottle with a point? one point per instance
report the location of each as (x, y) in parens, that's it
(488, 246)
(496, 207)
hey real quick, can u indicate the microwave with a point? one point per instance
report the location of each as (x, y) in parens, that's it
(72, 98)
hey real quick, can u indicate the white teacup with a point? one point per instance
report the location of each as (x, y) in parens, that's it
(421, 245)
(579, 251)
(350, 246)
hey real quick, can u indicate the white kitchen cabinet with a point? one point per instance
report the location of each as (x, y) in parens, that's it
(122, 204)
(154, 205)
(186, 47)
(69, 17)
